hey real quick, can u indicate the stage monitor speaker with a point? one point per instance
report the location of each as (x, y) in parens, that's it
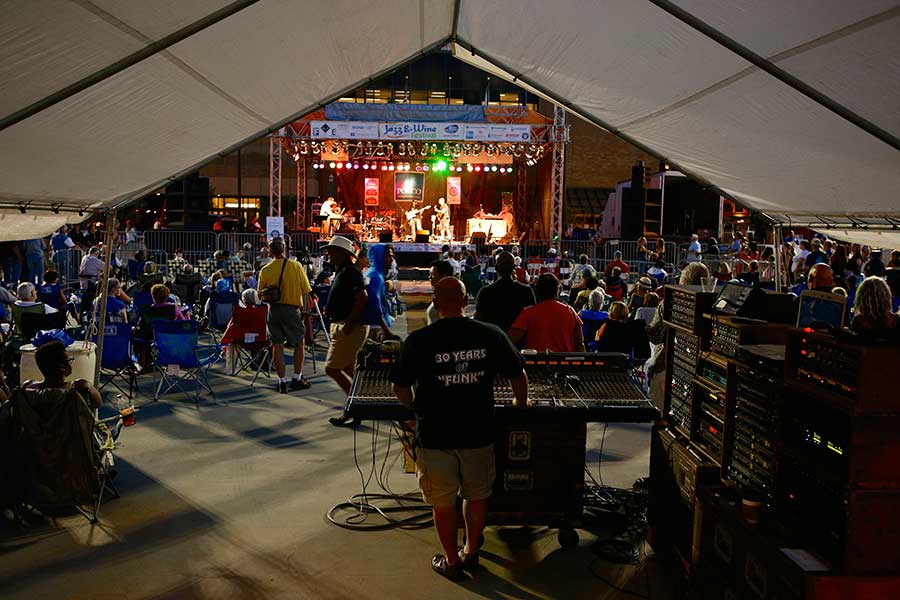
(422, 238)
(738, 300)
(632, 214)
(385, 237)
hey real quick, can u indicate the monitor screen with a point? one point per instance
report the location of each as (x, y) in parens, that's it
(821, 309)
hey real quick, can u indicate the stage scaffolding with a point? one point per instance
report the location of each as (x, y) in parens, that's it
(553, 137)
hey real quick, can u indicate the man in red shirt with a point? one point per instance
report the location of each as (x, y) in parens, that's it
(549, 324)
(617, 262)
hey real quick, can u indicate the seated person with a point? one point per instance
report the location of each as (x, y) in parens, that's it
(872, 308)
(150, 277)
(615, 285)
(116, 311)
(636, 300)
(161, 299)
(593, 316)
(619, 334)
(648, 310)
(751, 275)
(28, 303)
(220, 304)
(723, 275)
(50, 292)
(250, 297)
(55, 365)
(549, 324)
(582, 298)
(249, 280)
(658, 271)
(187, 284)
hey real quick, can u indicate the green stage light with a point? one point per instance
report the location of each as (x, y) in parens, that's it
(440, 165)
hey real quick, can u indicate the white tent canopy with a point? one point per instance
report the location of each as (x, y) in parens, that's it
(789, 107)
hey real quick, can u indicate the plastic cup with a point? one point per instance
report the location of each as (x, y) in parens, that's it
(750, 509)
(708, 284)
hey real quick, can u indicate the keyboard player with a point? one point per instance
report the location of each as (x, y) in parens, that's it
(452, 364)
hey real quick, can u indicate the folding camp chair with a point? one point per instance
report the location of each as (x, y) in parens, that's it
(178, 358)
(117, 364)
(63, 452)
(219, 310)
(247, 334)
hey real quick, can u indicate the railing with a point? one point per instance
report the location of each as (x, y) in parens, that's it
(68, 264)
(171, 240)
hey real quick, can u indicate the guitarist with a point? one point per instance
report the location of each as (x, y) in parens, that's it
(414, 219)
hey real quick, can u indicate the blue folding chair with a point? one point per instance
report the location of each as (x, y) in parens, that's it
(179, 360)
(117, 364)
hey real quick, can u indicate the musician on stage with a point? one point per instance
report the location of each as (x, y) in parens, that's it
(414, 219)
(442, 215)
(507, 215)
(332, 210)
(446, 374)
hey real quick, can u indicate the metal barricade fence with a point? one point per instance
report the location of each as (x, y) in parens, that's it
(68, 263)
(234, 242)
(170, 240)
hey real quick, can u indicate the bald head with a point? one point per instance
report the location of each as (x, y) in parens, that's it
(821, 277)
(450, 298)
(505, 263)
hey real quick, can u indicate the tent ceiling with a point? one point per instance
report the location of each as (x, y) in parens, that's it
(629, 65)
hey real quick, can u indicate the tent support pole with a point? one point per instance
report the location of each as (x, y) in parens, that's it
(776, 243)
(104, 292)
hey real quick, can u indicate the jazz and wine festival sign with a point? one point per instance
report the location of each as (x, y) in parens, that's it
(403, 131)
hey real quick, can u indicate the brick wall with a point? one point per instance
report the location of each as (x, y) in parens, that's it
(598, 159)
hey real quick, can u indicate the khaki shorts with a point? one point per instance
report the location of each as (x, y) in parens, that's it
(285, 324)
(344, 348)
(445, 474)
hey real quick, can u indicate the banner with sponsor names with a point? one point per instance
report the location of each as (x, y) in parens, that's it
(449, 132)
(454, 190)
(346, 130)
(274, 227)
(370, 196)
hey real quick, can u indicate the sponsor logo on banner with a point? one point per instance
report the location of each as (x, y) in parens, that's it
(420, 131)
(454, 190)
(408, 187)
(358, 130)
(274, 227)
(370, 197)
(489, 132)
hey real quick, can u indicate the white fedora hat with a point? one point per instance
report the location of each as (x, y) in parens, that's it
(342, 243)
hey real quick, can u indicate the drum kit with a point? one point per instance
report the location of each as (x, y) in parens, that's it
(376, 223)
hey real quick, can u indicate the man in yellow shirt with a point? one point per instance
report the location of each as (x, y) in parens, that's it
(285, 320)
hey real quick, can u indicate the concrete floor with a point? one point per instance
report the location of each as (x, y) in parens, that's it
(228, 500)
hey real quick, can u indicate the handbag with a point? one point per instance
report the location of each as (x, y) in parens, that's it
(272, 293)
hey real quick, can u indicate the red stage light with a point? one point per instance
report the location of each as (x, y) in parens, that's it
(477, 167)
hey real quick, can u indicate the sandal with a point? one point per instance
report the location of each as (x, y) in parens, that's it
(452, 572)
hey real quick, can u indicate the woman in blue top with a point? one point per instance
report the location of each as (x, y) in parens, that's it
(116, 311)
(379, 260)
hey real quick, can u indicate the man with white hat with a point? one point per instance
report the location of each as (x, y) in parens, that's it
(345, 306)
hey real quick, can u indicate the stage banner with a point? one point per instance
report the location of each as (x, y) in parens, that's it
(421, 131)
(489, 132)
(370, 197)
(454, 190)
(409, 187)
(349, 130)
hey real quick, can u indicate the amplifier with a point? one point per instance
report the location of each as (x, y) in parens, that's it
(686, 350)
(681, 400)
(739, 300)
(709, 434)
(727, 335)
(687, 468)
(685, 305)
(859, 530)
(842, 372)
(713, 371)
(751, 449)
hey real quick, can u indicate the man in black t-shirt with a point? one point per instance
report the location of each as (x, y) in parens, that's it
(452, 365)
(346, 302)
(502, 301)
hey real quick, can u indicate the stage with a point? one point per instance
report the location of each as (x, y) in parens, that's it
(415, 254)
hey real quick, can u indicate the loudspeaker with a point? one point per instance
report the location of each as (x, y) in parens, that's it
(422, 238)
(632, 214)
(752, 302)
(385, 237)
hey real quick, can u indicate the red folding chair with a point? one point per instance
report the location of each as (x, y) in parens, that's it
(247, 334)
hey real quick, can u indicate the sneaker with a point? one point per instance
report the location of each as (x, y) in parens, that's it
(469, 562)
(283, 387)
(452, 572)
(300, 384)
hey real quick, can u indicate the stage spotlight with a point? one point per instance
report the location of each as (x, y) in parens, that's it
(348, 165)
(391, 167)
(440, 165)
(365, 167)
(356, 165)
(339, 165)
(315, 165)
(477, 167)
(425, 167)
(332, 165)
(406, 167)
(418, 168)
(469, 168)
(494, 168)
(384, 167)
